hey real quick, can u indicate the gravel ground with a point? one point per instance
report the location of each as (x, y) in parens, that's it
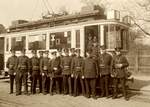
(40, 100)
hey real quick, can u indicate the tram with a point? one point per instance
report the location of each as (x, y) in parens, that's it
(69, 31)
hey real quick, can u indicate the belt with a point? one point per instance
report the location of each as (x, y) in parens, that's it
(55, 68)
(23, 67)
(66, 66)
(101, 65)
(35, 67)
(78, 67)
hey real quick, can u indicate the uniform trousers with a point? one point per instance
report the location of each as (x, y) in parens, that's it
(12, 79)
(104, 79)
(67, 84)
(21, 77)
(90, 84)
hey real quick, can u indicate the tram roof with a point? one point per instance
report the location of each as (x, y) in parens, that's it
(80, 19)
(66, 19)
(66, 27)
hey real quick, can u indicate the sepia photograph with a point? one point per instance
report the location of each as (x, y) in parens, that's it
(74, 53)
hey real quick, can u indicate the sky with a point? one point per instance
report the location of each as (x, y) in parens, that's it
(32, 9)
(11, 10)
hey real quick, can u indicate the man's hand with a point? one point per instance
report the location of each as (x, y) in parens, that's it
(43, 74)
(100, 75)
(82, 77)
(55, 68)
(112, 75)
(118, 65)
(14, 73)
(72, 75)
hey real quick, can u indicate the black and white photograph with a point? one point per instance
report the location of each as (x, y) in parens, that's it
(74, 53)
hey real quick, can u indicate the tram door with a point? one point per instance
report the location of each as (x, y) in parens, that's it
(1, 53)
(91, 36)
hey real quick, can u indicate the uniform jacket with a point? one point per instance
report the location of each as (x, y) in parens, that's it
(34, 65)
(90, 68)
(23, 63)
(120, 72)
(12, 64)
(54, 67)
(76, 66)
(66, 65)
(44, 64)
(105, 63)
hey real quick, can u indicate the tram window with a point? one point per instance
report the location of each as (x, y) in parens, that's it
(60, 40)
(91, 36)
(124, 34)
(111, 37)
(119, 37)
(114, 37)
(37, 42)
(18, 43)
(7, 44)
(77, 38)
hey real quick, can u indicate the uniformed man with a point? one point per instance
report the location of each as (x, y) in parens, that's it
(23, 68)
(72, 52)
(72, 55)
(66, 72)
(104, 63)
(54, 70)
(120, 64)
(12, 66)
(35, 70)
(95, 51)
(77, 72)
(89, 41)
(90, 71)
(44, 63)
(40, 75)
(60, 56)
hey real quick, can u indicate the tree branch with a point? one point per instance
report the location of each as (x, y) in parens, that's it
(145, 32)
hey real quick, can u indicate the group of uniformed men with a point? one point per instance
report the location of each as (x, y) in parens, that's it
(69, 74)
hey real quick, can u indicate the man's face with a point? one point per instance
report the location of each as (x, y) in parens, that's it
(45, 55)
(41, 54)
(54, 56)
(13, 53)
(102, 51)
(87, 54)
(23, 53)
(59, 53)
(78, 54)
(118, 52)
(34, 54)
(66, 53)
(90, 37)
(72, 52)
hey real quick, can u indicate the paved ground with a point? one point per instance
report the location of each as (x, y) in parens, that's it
(39, 100)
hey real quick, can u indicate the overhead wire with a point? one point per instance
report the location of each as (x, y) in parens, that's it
(50, 6)
(34, 10)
